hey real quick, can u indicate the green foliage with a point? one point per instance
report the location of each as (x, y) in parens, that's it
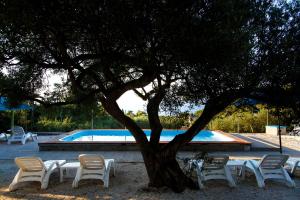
(55, 125)
(70, 117)
(22, 118)
(249, 120)
(172, 122)
(142, 121)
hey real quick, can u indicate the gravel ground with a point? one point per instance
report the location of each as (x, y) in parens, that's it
(130, 183)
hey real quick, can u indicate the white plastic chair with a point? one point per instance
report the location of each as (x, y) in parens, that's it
(270, 167)
(93, 167)
(214, 167)
(293, 164)
(19, 135)
(3, 136)
(34, 169)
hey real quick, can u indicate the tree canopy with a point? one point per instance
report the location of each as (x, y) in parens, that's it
(208, 52)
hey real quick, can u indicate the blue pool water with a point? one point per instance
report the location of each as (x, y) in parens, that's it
(125, 135)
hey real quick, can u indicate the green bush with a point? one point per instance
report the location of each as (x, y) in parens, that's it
(68, 118)
(45, 124)
(244, 121)
(172, 122)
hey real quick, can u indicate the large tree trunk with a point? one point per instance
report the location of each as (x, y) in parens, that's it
(164, 170)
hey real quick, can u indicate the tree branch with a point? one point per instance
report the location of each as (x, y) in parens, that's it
(144, 80)
(212, 107)
(153, 109)
(114, 110)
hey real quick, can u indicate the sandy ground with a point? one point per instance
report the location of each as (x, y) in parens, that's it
(130, 183)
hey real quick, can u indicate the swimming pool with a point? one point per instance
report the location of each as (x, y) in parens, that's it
(125, 135)
(122, 140)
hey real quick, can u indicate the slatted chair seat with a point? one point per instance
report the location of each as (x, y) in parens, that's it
(19, 135)
(214, 167)
(93, 166)
(34, 169)
(270, 167)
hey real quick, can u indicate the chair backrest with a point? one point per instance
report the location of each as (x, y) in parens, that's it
(273, 161)
(17, 130)
(215, 161)
(91, 161)
(30, 164)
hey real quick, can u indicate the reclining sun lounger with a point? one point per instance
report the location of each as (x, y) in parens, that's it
(293, 164)
(3, 136)
(214, 167)
(295, 131)
(34, 169)
(19, 135)
(93, 167)
(270, 167)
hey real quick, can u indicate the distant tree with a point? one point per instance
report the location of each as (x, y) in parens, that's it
(140, 113)
(130, 114)
(198, 52)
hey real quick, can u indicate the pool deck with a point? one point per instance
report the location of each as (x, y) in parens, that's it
(261, 144)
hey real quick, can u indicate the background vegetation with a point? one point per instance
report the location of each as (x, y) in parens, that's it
(251, 119)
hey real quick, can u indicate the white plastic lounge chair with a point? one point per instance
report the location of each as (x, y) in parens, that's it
(270, 167)
(295, 131)
(214, 167)
(93, 167)
(34, 169)
(3, 136)
(19, 135)
(293, 164)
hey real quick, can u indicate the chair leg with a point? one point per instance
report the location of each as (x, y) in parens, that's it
(199, 177)
(288, 180)
(242, 171)
(106, 180)
(77, 178)
(13, 185)
(229, 177)
(30, 135)
(294, 168)
(45, 180)
(75, 183)
(260, 180)
(61, 175)
(114, 166)
(258, 175)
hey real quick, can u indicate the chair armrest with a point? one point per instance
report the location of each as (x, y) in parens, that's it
(33, 136)
(294, 167)
(52, 165)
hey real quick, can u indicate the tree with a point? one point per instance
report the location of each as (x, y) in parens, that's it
(212, 52)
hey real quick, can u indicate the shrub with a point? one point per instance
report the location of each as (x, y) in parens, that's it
(45, 124)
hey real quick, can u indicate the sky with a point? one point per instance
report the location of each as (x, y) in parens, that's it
(130, 101)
